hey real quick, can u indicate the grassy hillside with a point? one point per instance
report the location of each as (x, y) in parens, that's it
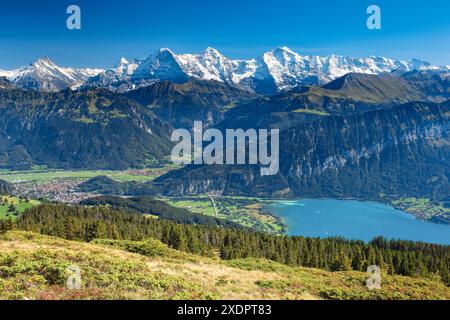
(33, 266)
(19, 205)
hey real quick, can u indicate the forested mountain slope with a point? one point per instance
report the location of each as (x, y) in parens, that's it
(194, 100)
(387, 153)
(82, 129)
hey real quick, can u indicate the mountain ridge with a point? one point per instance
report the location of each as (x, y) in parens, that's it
(45, 75)
(78, 129)
(273, 71)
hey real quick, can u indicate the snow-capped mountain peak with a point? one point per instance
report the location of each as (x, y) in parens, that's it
(283, 52)
(44, 62)
(162, 65)
(211, 52)
(287, 49)
(166, 51)
(125, 68)
(122, 61)
(285, 66)
(45, 75)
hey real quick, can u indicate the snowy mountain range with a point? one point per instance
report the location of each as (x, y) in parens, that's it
(276, 70)
(45, 75)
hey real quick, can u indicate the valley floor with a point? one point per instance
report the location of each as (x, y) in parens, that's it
(248, 212)
(62, 186)
(33, 266)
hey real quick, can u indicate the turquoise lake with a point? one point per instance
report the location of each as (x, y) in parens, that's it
(355, 220)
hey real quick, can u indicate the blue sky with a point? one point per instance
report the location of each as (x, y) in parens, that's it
(239, 29)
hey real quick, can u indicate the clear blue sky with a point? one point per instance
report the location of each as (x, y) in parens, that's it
(238, 28)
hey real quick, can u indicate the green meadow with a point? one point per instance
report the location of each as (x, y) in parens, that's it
(19, 205)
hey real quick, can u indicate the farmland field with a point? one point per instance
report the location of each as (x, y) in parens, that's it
(40, 175)
(245, 211)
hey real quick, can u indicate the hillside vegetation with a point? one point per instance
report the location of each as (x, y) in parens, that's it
(34, 266)
(398, 257)
(150, 206)
(79, 130)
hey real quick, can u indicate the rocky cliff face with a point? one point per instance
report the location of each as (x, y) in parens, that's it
(403, 150)
(383, 153)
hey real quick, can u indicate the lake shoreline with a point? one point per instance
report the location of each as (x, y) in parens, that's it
(415, 213)
(354, 219)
